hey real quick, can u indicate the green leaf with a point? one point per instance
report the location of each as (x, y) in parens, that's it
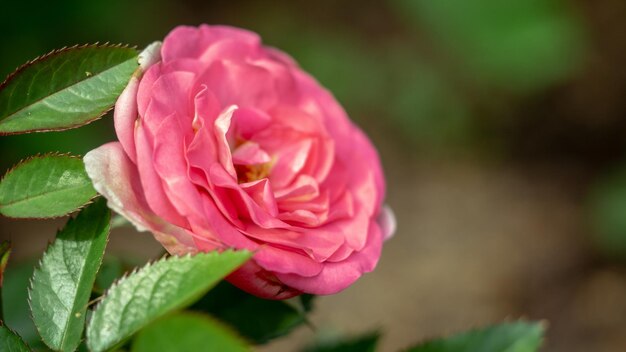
(364, 343)
(187, 331)
(64, 89)
(509, 337)
(61, 286)
(10, 342)
(154, 291)
(258, 319)
(45, 186)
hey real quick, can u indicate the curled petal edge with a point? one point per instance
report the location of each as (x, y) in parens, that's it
(112, 174)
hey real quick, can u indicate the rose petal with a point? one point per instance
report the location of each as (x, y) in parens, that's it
(303, 189)
(115, 177)
(246, 205)
(387, 222)
(224, 79)
(150, 55)
(250, 153)
(261, 192)
(171, 166)
(335, 277)
(222, 124)
(152, 185)
(302, 217)
(318, 245)
(164, 94)
(249, 121)
(191, 42)
(125, 116)
(257, 281)
(279, 260)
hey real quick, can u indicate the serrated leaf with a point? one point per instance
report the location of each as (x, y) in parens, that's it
(61, 285)
(10, 342)
(508, 337)
(257, 319)
(64, 89)
(155, 290)
(363, 343)
(182, 332)
(45, 186)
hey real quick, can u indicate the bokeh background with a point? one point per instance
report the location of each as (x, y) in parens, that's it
(501, 126)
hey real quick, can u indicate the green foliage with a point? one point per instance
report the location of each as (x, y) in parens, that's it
(76, 141)
(364, 343)
(425, 104)
(338, 60)
(45, 186)
(182, 332)
(607, 206)
(154, 291)
(257, 319)
(61, 286)
(112, 269)
(64, 89)
(400, 88)
(520, 45)
(509, 337)
(5, 253)
(10, 342)
(15, 302)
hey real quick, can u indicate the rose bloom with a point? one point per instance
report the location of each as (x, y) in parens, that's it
(225, 143)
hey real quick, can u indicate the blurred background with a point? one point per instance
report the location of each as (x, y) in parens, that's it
(500, 124)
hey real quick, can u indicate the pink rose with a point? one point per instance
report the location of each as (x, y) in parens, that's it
(225, 143)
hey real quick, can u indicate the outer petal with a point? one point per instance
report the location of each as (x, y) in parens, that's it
(125, 113)
(124, 117)
(152, 185)
(337, 276)
(278, 260)
(150, 55)
(261, 283)
(387, 222)
(171, 166)
(115, 177)
(192, 42)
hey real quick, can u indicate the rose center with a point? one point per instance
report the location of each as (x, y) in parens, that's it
(249, 173)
